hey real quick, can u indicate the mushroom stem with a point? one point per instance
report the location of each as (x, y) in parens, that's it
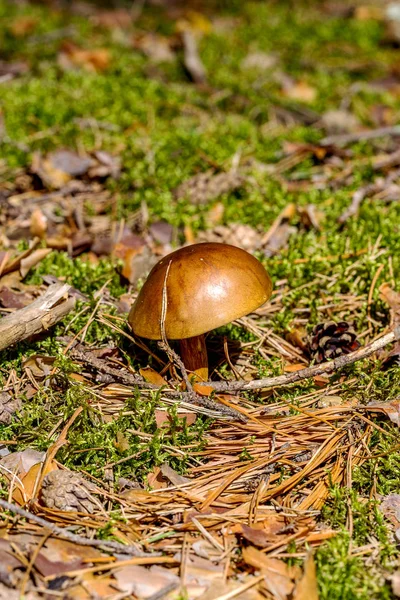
(194, 356)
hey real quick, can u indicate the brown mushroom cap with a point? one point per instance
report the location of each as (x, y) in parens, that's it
(208, 285)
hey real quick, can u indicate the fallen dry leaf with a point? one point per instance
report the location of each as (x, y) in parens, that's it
(259, 60)
(307, 586)
(58, 556)
(25, 492)
(8, 406)
(39, 222)
(395, 581)
(156, 47)
(23, 26)
(392, 298)
(151, 376)
(390, 409)
(390, 507)
(279, 577)
(145, 583)
(72, 56)
(301, 91)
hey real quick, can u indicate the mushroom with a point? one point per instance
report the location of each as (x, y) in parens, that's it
(194, 290)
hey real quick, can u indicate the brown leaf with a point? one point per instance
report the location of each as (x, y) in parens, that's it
(19, 463)
(107, 165)
(156, 47)
(307, 586)
(390, 409)
(236, 234)
(259, 60)
(172, 475)
(301, 91)
(161, 232)
(24, 493)
(390, 507)
(38, 226)
(58, 556)
(12, 69)
(279, 577)
(32, 260)
(257, 535)
(58, 168)
(23, 26)
(9, 299)
(310, 216)
(72, 55)
(8, 563)
(8, 406)
(137, 263)
(151, 376)
(40, 366)
(392, 298)
(145, 583)
(113, 19)
(395, 581)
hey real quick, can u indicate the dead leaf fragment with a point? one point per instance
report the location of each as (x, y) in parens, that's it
(57, 168)
(259, 60)
(72, 56)
(145, 583)
(307, 586)
(23, 26)
(191, 58)
(151, 376)
(8, 406)
(301, 91)
(390, 409)
(236, 234)
(392, 298)
(38, 226)
(395, 581)
(156, 47)
(58, 556)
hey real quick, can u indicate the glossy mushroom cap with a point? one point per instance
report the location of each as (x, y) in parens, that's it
(208, 285)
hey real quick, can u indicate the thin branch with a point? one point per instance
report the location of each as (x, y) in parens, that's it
(321, 369)
(369, 134)
(72, 537)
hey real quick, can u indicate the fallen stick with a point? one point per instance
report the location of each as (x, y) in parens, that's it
(73, 537)
(37, 317)
(369, 134)
(321, 369)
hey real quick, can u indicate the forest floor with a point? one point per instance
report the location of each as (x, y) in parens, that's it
(126, 133)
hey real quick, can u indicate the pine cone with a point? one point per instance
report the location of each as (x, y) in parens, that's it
(68, 491)
(330, 340)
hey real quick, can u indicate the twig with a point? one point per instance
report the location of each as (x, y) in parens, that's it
(100, 365)
(72, 537)
(322, 369)
(191, 58)
(196, 398)
(370, 134)
(37, 317)
(368, 190)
